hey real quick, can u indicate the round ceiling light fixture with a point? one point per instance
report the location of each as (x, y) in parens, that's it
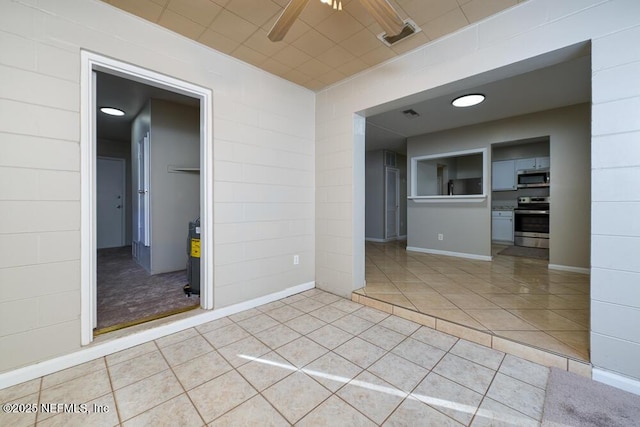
(112, 111)
(468, 100)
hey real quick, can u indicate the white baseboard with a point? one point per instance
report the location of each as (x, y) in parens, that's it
(376, 240)
(448, 253)
(569, 268)
(100, 349)
(631, 385)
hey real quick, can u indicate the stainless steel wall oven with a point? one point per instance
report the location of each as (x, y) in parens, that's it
(531, 222)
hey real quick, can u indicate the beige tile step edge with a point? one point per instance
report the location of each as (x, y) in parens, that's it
(533, 354)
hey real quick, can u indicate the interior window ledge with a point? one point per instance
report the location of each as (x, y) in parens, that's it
(470, 198)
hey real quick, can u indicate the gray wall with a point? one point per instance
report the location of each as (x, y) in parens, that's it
(121, 150)
(374, 195)
(520, 150)
(467, 226)
(175, 196)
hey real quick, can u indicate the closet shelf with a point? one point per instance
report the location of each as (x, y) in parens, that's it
(182, 169)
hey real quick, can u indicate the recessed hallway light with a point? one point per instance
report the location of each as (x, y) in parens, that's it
(112, 111)
(468, 100)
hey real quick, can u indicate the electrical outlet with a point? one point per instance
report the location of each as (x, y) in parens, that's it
(296, 259)
(440, 236)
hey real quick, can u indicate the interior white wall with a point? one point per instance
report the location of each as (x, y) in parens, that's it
(524, 31)
(263, 146)
(615, 242)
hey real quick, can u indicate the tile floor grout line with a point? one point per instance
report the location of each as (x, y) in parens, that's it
(410, 394)
(184, 390)
(484, 396)
(39, 400)
(296, 369)
(169, 368)
(259, 392)
(112, 390)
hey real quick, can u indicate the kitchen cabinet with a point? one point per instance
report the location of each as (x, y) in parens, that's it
(533, 163)
(503, 175)
(543, 162)
(502, 225)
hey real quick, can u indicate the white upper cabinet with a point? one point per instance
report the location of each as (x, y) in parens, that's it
(525, 164)
(503, 175)
(533, 163)
(543, 162)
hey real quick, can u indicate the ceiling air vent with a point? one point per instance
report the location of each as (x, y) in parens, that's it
(410, 28)
(411, 113)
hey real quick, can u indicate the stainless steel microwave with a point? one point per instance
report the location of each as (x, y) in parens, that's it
(534, 178)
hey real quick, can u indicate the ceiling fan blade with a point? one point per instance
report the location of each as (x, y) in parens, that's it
(286, 20)
(385, 15)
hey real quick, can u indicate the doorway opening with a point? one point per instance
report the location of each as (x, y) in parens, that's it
(145, 182)
(525, 299)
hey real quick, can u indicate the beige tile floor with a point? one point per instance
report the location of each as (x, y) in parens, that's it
(309, 359)
(512, 297)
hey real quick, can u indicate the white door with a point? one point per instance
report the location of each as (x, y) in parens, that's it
(110, 186)
(392, 203)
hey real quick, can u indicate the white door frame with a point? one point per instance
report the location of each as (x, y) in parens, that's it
(123, 206)
(91, 62)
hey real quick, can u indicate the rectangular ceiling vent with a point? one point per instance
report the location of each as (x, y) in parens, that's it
(411, 113)
(410, 28)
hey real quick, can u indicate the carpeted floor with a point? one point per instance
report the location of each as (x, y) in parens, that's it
(573, 400)
(128, 294)
(539, 253)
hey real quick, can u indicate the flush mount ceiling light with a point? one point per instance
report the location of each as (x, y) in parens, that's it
(468, 100)
(112, 111)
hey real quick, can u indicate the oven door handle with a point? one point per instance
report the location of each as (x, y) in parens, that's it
(525, 211)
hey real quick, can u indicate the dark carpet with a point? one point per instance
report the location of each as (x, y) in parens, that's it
(573, 400)
(521, 251)
(128, 294)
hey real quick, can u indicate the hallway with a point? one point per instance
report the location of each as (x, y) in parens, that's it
(128, 295)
